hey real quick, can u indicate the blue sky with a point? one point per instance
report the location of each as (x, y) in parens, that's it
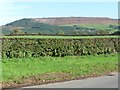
(16, 10)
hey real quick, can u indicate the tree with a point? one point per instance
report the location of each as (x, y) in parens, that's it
(40, 33)
(17, 31)
(60, 32)
(76, 32)
(100, 32)
(117, 33)
(26, 33)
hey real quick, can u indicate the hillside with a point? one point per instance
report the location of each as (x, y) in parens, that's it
(63, 25)
(30, 26)
(76, 20)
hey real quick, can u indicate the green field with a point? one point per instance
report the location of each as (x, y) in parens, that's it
(96, 26)
(66, 37)
(75, 66)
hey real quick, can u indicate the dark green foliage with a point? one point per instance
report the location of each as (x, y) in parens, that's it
(26, 47)
(114, 26)
(117, 32)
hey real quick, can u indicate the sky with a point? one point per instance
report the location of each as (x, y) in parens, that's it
(14, 10)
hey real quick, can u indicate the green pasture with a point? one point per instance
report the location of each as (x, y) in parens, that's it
(75, 66)
(96, 26)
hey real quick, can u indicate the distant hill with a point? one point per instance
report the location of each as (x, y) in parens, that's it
(32, 27)
(75, 20)
(63, 25)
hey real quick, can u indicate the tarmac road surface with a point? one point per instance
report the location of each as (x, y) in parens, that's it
(108, 81)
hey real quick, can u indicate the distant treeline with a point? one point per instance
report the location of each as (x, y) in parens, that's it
(115, 33)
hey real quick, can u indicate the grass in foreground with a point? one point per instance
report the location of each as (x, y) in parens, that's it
(15, 69)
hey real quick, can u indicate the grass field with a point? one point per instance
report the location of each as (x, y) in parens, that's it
(96, 26)
(17, 69)
(59, 37)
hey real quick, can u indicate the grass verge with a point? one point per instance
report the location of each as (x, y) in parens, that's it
(31, 71)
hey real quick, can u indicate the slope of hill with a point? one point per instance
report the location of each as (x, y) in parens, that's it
(76, 20)
(32, 27)
(63, 25)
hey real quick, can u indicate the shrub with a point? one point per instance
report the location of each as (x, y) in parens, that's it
(26, 47)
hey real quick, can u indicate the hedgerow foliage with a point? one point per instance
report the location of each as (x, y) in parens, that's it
(26, 47)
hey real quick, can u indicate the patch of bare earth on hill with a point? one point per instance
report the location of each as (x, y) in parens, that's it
(75, 20)
(45, 79)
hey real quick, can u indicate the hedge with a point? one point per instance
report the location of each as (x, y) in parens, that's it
(26, 47)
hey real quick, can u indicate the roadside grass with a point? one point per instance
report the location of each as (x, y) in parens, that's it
(75, 66)
(59, 37)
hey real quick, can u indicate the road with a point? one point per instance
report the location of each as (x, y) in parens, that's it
(109, 81)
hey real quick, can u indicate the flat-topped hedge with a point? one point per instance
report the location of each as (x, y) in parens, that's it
(36, 47)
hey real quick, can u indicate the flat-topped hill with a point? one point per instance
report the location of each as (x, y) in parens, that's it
(76, 20)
